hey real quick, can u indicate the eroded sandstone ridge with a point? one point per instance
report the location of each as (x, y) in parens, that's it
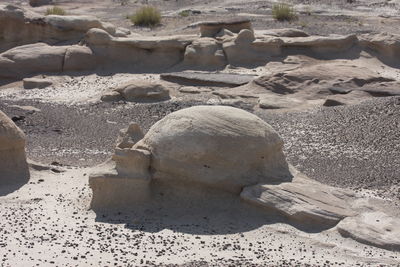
(13, 165)
(226, 150)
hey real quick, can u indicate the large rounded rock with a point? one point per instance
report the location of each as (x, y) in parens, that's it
(218, 146)
(13, 165)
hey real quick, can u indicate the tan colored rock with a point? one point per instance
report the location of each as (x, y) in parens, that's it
(385, 44)
(204, 53)
(245, 37)
(20, 27)
(40, 83)
(322, 44)
(200, 145)
(140, 91)
(130, 136)
(277, 102)
(286, 32)
(30, 59)
(13, 165)
(303, 201)
(242, 51)
(374, 228)
(137, 53)
(211, 28)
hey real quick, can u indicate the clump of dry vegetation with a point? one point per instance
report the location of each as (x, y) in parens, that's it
(146, 16)
(283, 12)
(55, 10)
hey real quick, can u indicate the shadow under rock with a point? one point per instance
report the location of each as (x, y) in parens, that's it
(200, 211)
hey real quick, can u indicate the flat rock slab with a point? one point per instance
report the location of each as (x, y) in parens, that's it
(40, 83)
(305, 202)
(210, 79)
(373, 228)
(233, 21)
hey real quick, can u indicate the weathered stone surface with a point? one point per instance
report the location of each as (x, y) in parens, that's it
(373, 228)
(286, 32)
(211, 79)
(277, 102)
(204, 53)
(25, 60)
(242, 51)
(13, 165)
(304, 201)
(385, 44)
(40, 83)
(137, 53)
(200, 145)
(143, 91)
(36, 3)
(19, 27)
(211, 28)
(129, 136)
(322, 44)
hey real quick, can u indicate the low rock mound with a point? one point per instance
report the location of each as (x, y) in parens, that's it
(13, 165)
(138, 91)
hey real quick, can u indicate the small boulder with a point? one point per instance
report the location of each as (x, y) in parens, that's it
(140, 91)
(39, 83)
(245, 37)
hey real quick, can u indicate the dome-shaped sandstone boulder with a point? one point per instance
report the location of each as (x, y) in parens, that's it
(219, 146)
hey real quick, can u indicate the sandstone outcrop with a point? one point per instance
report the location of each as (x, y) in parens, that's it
(137, 53)
(216, 153)
(138, 91)
(20, 27)
(13, 165)
(303, 201)
(211, 28)
(374, 228)
(207, 79)
(26, 60)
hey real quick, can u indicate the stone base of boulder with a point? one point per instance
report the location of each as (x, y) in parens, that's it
(113, 192)
(302, 201)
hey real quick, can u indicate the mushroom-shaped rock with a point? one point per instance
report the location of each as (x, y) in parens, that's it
(217, 146)
(13, 165)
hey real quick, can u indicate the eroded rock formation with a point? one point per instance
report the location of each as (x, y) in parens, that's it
(13, 165)
(206, 151)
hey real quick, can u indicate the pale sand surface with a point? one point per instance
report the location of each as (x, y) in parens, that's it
(47, 223)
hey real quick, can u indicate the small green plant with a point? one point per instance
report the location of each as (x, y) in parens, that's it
(184, 13)
(146, 16)
(283, 12)
(55, 10)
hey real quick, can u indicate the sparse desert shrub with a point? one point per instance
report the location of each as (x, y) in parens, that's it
(146, 16)
(283, 12)
(184, 13)
(55, 10)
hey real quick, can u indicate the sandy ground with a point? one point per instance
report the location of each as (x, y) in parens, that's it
(47, 223)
